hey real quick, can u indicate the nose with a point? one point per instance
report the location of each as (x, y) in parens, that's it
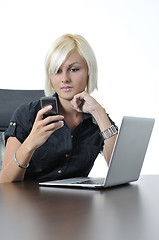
(65, 77)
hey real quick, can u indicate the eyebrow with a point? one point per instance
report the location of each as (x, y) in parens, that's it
(74, 63)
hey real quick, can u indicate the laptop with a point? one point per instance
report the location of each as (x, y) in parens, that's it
(126, 159)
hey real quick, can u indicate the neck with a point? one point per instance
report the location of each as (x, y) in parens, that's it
(65, 108)
(71, 116)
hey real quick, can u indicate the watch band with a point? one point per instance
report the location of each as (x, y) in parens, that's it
(109, 132)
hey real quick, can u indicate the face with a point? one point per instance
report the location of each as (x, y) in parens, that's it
(72, 76)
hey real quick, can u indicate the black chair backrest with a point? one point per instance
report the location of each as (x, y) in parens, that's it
(11, 99)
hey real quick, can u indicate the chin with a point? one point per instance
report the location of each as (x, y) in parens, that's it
(67, 96)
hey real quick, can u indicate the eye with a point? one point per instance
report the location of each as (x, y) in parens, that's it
(59, 71)
(74, 69)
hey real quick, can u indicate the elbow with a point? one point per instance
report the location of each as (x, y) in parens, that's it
(6, 179)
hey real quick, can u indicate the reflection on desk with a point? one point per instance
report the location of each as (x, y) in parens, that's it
(131, 211)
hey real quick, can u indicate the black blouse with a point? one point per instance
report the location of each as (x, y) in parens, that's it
(64, 154)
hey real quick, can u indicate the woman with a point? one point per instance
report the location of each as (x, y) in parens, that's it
(65, 145)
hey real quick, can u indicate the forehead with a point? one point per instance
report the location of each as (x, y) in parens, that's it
(74, 58)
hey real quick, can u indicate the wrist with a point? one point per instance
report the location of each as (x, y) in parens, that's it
(98, 111)
(29, 146)
(101, 118)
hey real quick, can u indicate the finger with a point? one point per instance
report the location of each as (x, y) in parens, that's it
(54, 118)
(74, 105)
(54, 126)
(80, 96)
(78, 103)
(42, 111)
(77, 109)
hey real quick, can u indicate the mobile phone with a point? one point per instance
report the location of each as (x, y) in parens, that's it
(46, 101)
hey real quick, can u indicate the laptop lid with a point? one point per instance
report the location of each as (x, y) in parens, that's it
(129, 150)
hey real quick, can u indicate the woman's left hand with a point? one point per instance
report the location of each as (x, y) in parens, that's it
(83, 102)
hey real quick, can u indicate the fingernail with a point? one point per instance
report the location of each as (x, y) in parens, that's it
(62, 123)
(49, 107)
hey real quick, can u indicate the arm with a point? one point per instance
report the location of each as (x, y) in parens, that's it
(103, 122)
(83, 102)
(39, 134)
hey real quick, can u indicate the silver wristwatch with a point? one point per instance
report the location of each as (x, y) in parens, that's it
(109, 132)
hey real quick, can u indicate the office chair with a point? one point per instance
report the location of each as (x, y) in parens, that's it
(9, 100)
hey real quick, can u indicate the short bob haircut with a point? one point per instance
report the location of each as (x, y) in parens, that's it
(58, 54)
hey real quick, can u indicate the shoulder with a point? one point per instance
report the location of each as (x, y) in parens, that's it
(22, 121)
(29, 106)
(27, 111)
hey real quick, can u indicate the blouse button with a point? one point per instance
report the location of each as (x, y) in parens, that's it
(71, 136)
(66, 155)
(12, 123)
(59, 171)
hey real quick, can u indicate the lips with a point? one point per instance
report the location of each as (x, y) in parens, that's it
(66, 89)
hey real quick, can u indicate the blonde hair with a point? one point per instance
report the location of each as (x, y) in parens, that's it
(58, 54)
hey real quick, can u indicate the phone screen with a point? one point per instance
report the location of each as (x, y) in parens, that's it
(46, 101)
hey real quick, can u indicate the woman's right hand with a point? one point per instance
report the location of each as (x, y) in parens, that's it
(40, 132)
(43, 128)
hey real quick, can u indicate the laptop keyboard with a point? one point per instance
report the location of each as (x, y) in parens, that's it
(97, 181)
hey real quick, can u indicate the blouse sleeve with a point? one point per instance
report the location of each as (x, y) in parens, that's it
(18, 126)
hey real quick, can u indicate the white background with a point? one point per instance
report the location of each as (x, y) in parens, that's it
(124, 35)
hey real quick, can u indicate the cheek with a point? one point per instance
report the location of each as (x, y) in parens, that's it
(85, 81)
(53, 81)
(83, 77)
(82, 85)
